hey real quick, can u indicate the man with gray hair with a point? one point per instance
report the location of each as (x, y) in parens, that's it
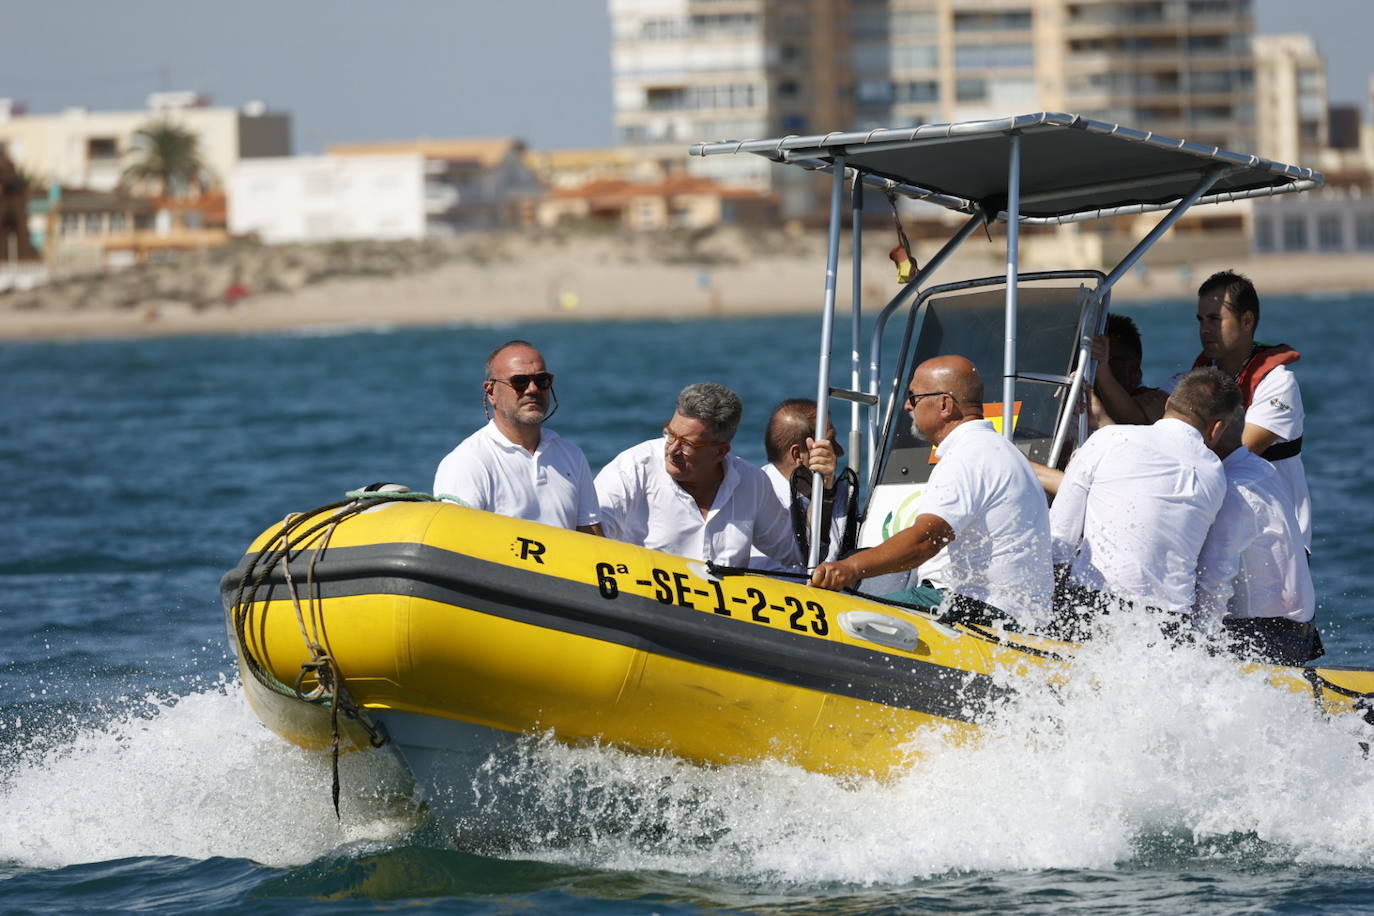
(684, 493)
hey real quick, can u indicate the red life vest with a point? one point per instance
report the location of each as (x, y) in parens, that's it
(1263, 360)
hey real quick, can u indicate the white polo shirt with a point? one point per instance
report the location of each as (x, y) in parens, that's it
(1253, 563)
(488, 471)
(985, 490)
(641, 504)
(782, 489)
(1133, 510)
(1277, 407)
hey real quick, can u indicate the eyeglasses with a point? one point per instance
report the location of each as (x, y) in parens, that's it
(912, 398)
(688, 445)
(542, 380)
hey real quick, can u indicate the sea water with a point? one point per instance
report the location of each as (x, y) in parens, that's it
(134, 776)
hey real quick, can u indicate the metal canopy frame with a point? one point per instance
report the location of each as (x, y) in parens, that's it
(1058, 168)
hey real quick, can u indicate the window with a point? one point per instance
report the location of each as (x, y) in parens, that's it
(919, 91)
(979, 57)
(1294, 233)
(94, 222)
(116, 222)
(1364, 232)
(102, 148)
(1264, 234)
(873, 92)
(71, 223)
(1330, 234)
(992, 20)
(967, 90)
(915, 57)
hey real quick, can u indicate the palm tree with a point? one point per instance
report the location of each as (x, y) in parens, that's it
(169, 155)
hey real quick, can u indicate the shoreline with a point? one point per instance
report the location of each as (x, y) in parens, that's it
(607, 280)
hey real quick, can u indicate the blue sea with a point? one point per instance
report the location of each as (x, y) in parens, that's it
(134, 777)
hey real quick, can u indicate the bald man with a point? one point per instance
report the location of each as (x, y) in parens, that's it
(982, 507)
(515, 466)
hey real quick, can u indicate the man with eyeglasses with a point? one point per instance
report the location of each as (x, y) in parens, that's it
(515, 466)
(686, 494)
(982, 511)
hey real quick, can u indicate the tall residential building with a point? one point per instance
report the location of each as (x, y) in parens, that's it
(1291, 97)
(689, 70)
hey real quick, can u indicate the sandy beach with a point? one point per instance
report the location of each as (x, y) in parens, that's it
(601, 278)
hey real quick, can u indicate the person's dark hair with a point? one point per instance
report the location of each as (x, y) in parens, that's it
(715, 405)
(791, 423)
(1122, 330)
(491, 357)
(1207, 394)
(1238, 293)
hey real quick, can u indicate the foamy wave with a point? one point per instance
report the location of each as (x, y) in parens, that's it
(199, 777)
(1141, 743)
(1142, 747)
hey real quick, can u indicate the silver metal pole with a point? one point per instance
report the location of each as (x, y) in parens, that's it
(875, 340)
(1013, 263)
(856, 198)
(832, 263)
(1214, 174)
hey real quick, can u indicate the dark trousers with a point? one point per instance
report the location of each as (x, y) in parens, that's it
(1276, 640)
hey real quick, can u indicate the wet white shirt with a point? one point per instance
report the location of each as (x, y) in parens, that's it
(641, 504)
(553, 485)
(1133, 510)
(1277, 407)
(985, 490)
(1253, 563)
(782, 489)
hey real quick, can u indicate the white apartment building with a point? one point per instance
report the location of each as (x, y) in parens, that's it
(1291, 100)
(326, 198)
(690, 70)
(90, 149)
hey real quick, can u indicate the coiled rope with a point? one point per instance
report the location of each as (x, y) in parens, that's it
(293, 537)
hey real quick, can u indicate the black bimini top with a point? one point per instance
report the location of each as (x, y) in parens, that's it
(1072, 168)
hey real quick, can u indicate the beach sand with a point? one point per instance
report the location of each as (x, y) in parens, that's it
(604, 279)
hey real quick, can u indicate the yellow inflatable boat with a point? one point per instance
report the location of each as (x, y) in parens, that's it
(445, 631)
(442, 631)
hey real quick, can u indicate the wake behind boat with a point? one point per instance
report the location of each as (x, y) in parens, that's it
(443, 632)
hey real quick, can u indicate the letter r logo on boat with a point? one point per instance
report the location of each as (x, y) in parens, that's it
(530, 549)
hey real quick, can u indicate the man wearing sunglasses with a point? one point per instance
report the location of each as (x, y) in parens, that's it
(982, 510)
(515, 466)
(684, 493)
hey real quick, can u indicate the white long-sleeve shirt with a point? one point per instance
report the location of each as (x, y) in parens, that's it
(1133, 510)
(641, 504)
(1253, 563)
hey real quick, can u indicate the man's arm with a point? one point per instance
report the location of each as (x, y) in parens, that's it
(1071, 501)
(1218, 564)
(588, 504)
(906, 549)
(1119, 404)
(617, 497)
(1258, 439)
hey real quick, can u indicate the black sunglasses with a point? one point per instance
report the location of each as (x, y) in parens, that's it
(912, 398)
(542, 380)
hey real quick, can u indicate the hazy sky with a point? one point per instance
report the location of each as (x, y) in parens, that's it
(349, 70)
